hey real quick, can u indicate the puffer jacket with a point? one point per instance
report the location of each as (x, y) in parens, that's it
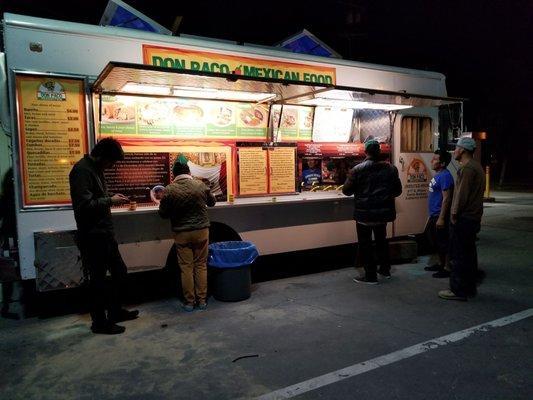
(185, 202)
(374, 185)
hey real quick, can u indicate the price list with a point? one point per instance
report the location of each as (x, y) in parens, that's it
(252, 171)
(53, 135)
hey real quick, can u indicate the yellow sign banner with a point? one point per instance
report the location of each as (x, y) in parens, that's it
(52, 135)
(194, 60)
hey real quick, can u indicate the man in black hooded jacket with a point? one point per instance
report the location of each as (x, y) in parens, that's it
(92, 203)
(374, 184)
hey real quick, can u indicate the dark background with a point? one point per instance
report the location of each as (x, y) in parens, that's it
(483, 47)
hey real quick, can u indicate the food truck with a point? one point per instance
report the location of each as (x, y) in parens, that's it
(273, 133)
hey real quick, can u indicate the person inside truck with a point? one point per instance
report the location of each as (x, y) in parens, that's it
(311, 172)
(95, 237)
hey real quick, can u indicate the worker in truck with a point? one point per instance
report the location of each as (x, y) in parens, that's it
(95, 236)
(374, 184)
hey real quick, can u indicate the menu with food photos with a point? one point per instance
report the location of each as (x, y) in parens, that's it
(134, 116)
(292, 123)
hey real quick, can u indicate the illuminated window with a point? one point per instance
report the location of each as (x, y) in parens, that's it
(416, 134)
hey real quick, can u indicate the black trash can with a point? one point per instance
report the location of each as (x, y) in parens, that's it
(230, 268)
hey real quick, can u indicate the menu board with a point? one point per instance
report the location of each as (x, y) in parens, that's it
(252, 171)
(140, 176)
(183, 118)
(282, 161)
(332, 124)
(296, 123)
(52, 135)
(147, 170)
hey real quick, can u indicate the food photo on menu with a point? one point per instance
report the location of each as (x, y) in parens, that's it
(187, 113)
(222, 115)
(154, 112)
(209, 167)
(115, 110)
(253, 116)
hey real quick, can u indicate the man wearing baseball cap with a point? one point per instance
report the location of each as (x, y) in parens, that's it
(466, 212)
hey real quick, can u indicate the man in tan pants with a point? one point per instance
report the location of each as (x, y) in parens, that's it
(185, 202)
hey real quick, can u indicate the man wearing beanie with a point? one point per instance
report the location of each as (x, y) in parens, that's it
(374, 185)
(185, 203)
(466, 212)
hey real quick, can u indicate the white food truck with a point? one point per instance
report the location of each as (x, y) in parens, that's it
(248, 119)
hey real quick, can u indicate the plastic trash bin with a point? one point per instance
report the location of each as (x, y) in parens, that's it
(230, 265)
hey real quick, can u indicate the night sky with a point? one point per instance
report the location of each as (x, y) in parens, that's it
(485, 48)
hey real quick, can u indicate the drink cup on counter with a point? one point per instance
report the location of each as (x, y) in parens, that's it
(231, 198)
(133, 205)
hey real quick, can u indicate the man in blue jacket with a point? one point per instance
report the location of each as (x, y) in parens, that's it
(375, 184)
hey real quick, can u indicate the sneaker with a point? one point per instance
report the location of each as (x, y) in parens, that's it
(434, 267)
(449, 295)
(107, 328)
(365, 280)
(202, 306)
(187, 307)
(384, 274)
(123, 315)
(441, 274)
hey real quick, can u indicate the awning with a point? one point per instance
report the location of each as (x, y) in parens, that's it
(119, 78)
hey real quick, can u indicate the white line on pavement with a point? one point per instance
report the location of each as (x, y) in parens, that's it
(361, 368)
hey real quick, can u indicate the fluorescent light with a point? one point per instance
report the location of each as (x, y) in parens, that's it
(336, 94)
(196, 92)
(216, 94)
(141, 88)
(326, 102)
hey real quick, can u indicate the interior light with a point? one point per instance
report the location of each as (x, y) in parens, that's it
(217, 94)
(328, 102)
(141, 88)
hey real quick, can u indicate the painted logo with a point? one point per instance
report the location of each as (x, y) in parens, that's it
(417, 171)
(51, 90)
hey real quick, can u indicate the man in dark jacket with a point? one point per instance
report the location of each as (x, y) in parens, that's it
(374, 185)
(96, 239)
(185, 202)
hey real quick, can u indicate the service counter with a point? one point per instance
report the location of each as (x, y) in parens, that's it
(244, 214)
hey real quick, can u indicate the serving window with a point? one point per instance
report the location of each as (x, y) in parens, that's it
(416, 134)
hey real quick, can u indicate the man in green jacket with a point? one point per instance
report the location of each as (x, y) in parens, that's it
(185, 202)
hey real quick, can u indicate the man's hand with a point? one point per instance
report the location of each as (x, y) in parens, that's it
(453, 219)
(440, 223)
(119, 199)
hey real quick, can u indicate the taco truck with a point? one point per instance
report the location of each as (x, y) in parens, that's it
(256, 123)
